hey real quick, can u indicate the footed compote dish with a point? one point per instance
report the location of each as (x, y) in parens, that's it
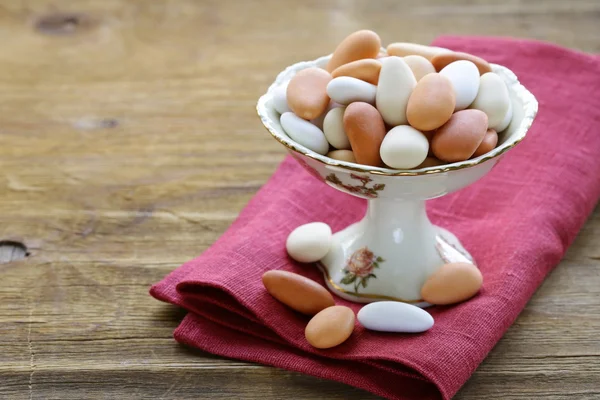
(394, 248)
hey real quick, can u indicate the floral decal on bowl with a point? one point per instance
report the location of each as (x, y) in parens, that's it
(307, 167)
(359, 268)
(363, 189)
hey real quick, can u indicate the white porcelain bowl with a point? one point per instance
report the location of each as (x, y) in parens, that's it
(395, 228)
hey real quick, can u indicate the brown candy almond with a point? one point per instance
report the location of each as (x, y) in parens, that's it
(297, 292)
(490, 140)
(458, 138)
(365, 129)
(441, 60)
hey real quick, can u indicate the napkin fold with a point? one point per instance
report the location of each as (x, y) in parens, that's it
(517, 222)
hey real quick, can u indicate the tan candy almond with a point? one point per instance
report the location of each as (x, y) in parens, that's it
(366, 70)
(356, 46)
(452, 283)
(430, 162)
(330, 327)
(419, 65)
(431, 103)
(342, 155)
(402, 49)
(307, 93)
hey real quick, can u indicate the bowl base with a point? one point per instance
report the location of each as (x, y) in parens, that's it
(340, 280)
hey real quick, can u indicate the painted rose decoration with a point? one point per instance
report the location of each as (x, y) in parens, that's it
(359, 268)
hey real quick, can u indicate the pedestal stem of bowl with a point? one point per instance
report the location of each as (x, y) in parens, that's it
(388, 254)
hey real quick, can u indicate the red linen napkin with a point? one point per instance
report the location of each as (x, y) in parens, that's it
(517, 222)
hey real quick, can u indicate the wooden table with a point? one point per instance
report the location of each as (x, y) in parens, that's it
(129, 143)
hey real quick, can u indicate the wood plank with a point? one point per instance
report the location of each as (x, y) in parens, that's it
(129, 143)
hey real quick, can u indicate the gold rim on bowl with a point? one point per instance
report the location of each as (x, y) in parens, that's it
(528, 100)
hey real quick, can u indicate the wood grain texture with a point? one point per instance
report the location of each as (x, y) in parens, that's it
(129, 143)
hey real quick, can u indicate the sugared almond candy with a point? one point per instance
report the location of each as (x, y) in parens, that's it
(345, 90)
(331, 327)
(356, 46)
(396, 83)
(365, 129)
(419, 65)
(333, 128)
(452, 283)
(307, 94)
(490, 140)
(443, 59)
(342, 155)
(404, 147)
(304, 133)
(492, 99)
(406, 49)
(394, 316)
(430, 162)
(431, 103)
(366, 70)
(318, 122)
(280, 99)
(464, 76)
(506, 120)
(309, 242)
(297, 292)
(458, 138)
